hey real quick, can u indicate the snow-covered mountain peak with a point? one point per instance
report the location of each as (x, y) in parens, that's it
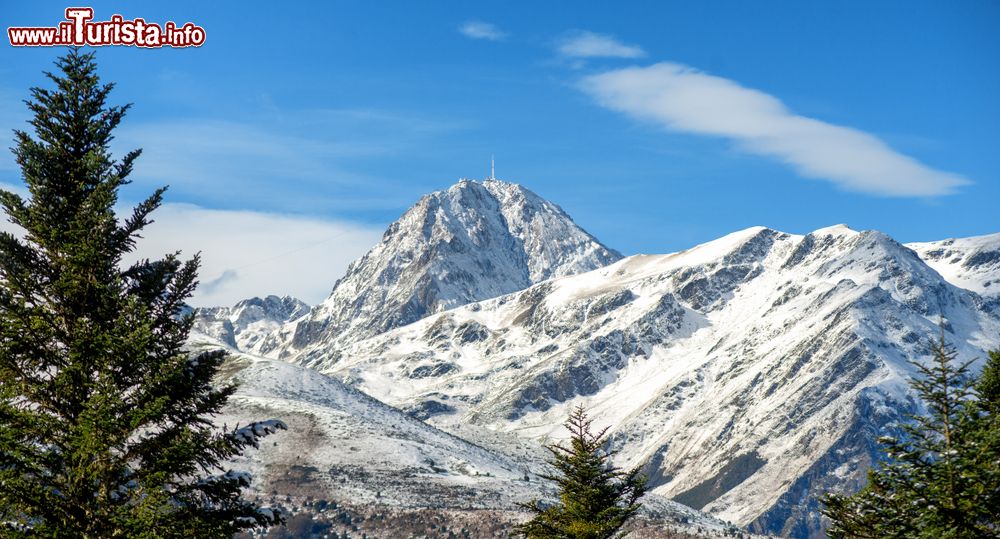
(248, 322)
(717, 249)
(555, 246)
(472, 241)
(972, 263)
(839, 229)
(271, 307)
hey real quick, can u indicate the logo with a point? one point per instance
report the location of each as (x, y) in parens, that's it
(80, 29)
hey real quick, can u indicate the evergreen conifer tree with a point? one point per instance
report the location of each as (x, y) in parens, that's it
(988, 386)
(941, 478)
(595, 498)
(105, 422)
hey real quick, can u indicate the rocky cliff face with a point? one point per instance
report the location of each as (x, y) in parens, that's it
(246, 324)
(473, 241)
(971, 263)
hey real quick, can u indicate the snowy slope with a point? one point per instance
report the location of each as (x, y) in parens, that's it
(342, 445)
(473, 241)
(970, 263)
(748, 374)
(246, 324)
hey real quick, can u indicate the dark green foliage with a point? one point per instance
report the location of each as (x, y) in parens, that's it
(595, 498)
(941, 478)
(988, 385)
(104, 421)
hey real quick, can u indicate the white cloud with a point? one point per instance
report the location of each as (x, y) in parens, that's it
(246, 254)
(218, 161)
(482, 30)
(591, 45)
(683, 99)
(290, 161)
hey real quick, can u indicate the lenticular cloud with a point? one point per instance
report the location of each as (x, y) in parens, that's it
(683, 99)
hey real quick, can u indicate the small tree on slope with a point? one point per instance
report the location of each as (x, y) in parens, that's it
(941, 479)
(105, 424)
(595, 498)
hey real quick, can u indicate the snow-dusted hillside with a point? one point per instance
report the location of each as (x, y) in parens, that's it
(342, 445)
(473, 241)
(748, 374)
(971, 263)
(245, 324)
(343, 442)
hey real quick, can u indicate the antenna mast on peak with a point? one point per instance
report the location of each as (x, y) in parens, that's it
(493, 168)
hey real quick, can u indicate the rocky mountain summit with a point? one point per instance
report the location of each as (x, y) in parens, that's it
(245, 324)
(473, 241)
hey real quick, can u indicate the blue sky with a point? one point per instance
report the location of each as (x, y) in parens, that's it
(304, 130)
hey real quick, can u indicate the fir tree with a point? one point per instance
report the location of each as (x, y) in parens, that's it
(105, 422)
(941, 478)
(983, 455)
(595, 498)
(988, 386)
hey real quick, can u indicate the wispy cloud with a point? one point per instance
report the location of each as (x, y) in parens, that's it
(482, 30)
(245, 253)
(211, 286)
(304, 161)
(591, 45)
(684, 99)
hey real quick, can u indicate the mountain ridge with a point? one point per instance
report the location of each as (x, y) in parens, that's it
(746, 375)
(472, 241)
(847, 308)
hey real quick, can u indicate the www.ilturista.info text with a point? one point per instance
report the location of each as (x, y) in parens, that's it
(79, 29)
